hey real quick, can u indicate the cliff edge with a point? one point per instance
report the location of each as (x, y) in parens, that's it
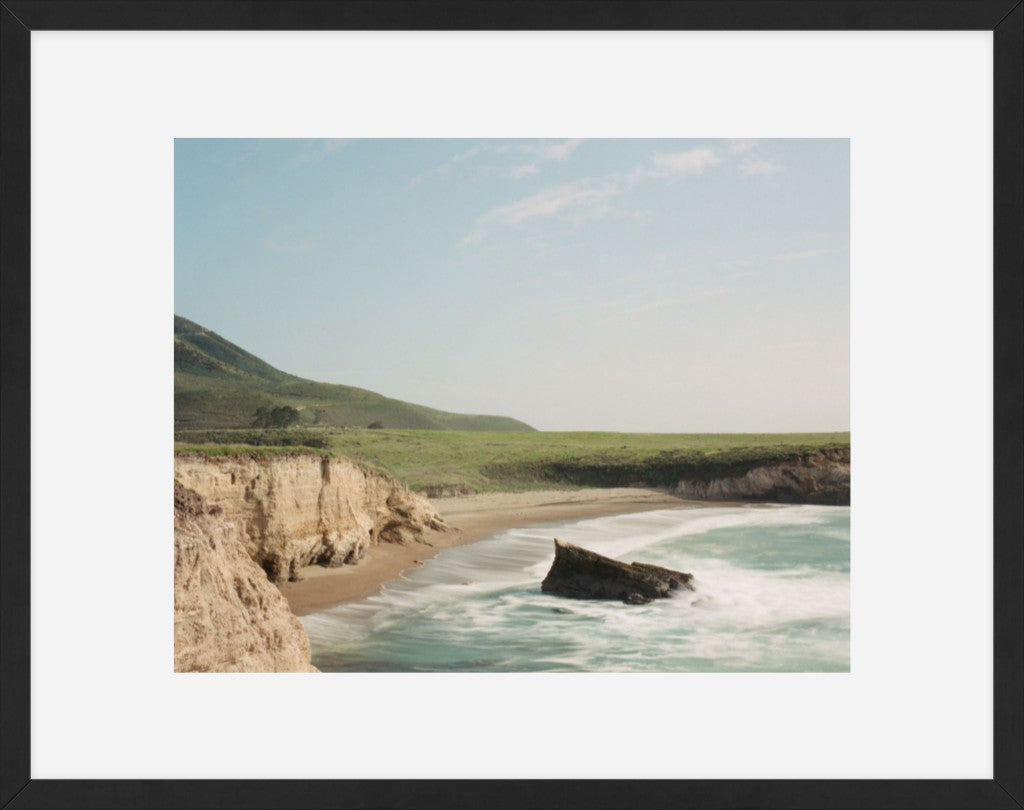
(298, 510)
(227, 616)
(820, 477)
(243, 523)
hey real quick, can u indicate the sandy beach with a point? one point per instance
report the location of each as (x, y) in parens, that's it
(469, 518)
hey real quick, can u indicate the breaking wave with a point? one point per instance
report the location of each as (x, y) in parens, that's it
(772, 595)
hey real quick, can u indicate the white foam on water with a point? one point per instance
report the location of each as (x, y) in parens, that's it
(772, 594)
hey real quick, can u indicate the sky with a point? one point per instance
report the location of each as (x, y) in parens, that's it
(673, 286)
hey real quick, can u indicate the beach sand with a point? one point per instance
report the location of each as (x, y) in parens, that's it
(469, 518)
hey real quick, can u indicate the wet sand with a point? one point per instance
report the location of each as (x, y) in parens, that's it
(469, 518)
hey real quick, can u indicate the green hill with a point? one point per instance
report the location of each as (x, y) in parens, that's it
(220, 385)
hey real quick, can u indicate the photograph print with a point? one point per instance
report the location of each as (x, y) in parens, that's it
(524, 405)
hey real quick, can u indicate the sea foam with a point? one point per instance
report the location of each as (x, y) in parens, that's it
(773, 594)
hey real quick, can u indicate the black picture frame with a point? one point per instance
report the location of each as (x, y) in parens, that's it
(1005, 18)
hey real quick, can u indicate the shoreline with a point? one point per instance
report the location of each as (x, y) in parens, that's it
(469, 518)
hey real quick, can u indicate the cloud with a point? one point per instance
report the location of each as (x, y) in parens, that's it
(591, 197)
(751, 162)
(586, 194)
(529, 156)
(757, 166)
(741, 146)
(580, 200)
(588, 198)
(555, 151)
(474, 238)
(792, 256)
(454, 161)
(446, 167)
(539, 153)
(523, 170)
(797, 255)
(682, 164)
(318, 150)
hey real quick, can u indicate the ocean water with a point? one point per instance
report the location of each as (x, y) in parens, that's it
(772, 595)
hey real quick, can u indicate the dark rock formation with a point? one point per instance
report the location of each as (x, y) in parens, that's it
(581, 574)
(820, 477)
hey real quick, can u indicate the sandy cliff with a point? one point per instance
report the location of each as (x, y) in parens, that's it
(241, 524)
(227, 616)
(821, 477)
(293, 511)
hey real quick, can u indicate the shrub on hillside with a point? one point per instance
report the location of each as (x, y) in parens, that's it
(280, 417)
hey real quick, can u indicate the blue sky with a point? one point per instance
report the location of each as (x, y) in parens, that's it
(633, 285)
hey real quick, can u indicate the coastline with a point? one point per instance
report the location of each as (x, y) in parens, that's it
(469, 518)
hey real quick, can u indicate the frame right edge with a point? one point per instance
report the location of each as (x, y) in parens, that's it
(1008, 397)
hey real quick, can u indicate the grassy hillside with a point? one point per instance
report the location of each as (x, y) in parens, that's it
(432, 461)
(219, 385)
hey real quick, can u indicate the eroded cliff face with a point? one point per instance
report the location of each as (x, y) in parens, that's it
(293, 511)
(227, 616)
(822, 477)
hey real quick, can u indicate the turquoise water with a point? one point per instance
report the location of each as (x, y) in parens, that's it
(772, 595)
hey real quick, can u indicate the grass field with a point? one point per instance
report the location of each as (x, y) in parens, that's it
(218, 386)
(432, 461)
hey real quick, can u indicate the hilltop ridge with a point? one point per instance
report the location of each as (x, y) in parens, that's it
(220, 385)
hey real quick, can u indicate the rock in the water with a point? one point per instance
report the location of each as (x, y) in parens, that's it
(581, 574)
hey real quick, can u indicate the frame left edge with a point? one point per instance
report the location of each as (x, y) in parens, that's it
(15, 286)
